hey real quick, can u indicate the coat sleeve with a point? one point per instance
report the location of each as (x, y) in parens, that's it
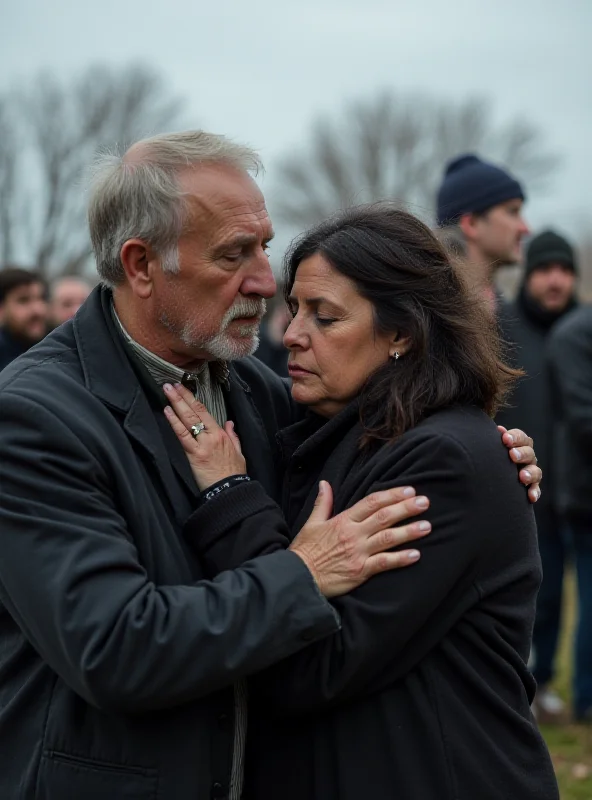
(570, 358)
(390, 623)
(71, 578)
(239, 524)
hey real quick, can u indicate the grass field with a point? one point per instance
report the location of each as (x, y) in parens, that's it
(570, 745)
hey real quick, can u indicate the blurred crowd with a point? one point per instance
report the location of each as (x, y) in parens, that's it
(481, 221)
(30, 308)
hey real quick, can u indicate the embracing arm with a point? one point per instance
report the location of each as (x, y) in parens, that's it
(72, 579)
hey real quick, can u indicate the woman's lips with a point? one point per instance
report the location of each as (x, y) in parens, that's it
(296, 371)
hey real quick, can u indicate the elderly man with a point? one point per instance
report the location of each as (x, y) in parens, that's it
(122, 660)
(66, 297)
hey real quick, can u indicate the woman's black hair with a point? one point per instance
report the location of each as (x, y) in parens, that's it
(455, 353)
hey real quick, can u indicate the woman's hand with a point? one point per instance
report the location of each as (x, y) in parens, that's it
(521, 452)
(215, 453)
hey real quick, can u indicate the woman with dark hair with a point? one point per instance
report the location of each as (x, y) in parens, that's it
(424, 694)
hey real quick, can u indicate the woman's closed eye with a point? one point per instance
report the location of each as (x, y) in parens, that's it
(325, 321)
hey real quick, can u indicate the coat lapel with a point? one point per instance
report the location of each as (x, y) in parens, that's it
(109, 375)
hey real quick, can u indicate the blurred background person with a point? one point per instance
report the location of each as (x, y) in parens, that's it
(23, 312)
(483, 202)
(271, 350)
(546, 294)
(66, 296)
(570, 364)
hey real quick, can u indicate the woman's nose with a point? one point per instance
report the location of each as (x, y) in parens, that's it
(294, 336)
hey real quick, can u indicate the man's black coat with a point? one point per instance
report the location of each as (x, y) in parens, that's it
(116, 656)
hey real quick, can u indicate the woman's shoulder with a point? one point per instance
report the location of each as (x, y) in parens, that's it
(460, 424)
(463, 436)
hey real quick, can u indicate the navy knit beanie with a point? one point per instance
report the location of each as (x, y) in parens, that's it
(473, 186)
(549, 248)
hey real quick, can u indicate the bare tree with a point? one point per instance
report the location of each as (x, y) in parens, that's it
(8, 179)
(396, 147)
(49, 134)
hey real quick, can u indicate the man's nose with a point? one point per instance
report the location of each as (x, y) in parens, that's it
(260, 280)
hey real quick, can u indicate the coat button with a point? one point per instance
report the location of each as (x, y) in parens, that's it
(218, 791)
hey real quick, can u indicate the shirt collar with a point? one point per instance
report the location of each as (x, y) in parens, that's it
(164, 372)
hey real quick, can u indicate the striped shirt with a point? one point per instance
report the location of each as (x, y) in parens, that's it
(206, 384)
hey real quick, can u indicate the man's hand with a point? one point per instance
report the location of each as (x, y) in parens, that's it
(521, 452)
(344, 551)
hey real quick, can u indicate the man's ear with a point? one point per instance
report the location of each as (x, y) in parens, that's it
(139, 262)
(468, 225)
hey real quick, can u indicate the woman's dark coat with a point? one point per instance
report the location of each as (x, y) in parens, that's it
(424, 693)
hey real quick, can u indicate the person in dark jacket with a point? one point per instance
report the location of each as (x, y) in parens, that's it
(570, 365)
(547, 293)
(23, 312)
(424, 692)
(122, 663)
(479, 208)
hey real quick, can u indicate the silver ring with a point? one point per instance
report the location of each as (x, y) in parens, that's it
(197, 429)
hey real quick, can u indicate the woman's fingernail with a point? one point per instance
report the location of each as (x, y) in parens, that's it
(537, 494)
(527, 473)
(413, 555)
(517, 454)
(511, 438)
(167, 387)
(422, 502)
(177, 386)
(168, 411)
(408, 492)
(424, 526)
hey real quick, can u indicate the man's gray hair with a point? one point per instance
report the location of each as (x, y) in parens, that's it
(137, 194)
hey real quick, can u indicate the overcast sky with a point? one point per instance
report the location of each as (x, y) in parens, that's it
(262, 71)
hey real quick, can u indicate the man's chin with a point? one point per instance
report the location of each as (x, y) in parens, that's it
(231, 348)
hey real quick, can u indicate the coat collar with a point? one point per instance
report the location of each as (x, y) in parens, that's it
(305, 438)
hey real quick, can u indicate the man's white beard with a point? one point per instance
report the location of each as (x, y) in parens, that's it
(227, 347)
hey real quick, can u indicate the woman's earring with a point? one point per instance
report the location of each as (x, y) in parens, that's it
(397, 355)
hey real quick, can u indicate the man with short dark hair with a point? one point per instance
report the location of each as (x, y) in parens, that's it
(23, 312)
(547, 293)
(483, 202)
